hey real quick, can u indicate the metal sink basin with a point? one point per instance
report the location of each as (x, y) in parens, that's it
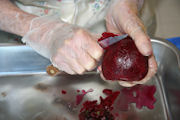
(28, 93)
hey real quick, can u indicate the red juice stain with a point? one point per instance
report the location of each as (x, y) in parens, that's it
(80, 97)
(63, 92)
(103, 111)
(141, 95)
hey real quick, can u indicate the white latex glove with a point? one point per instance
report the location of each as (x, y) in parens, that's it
(70, 48)
(122, 17)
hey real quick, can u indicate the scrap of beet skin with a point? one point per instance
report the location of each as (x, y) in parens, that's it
(103, 111)
(107, 91)
(104, 36)
(80, 97)
(63, 92)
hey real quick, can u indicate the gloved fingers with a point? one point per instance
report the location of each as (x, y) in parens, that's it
(123, 17)
(80, 49)
(132, 25)
(70, 57)
(110, 26)
(84, 58)
(88, 43)
(94, 49)
(126, 84)
(62, 65)
(136, 30)
(76, 51)
(95, 36)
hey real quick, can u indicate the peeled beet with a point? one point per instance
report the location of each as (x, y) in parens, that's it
(123, 61)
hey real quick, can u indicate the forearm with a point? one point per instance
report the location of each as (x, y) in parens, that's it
(13, 19)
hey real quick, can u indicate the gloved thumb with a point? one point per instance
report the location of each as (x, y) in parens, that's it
(136, 30)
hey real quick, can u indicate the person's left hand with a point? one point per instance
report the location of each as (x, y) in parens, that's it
(122, 17)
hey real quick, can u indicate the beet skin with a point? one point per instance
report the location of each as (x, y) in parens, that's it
(123, 61)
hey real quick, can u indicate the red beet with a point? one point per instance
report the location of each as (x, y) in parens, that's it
(123, 61)
(93, 111)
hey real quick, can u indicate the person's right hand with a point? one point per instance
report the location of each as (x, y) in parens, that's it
(70, 48)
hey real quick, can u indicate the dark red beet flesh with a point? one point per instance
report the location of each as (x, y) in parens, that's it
(123, 61)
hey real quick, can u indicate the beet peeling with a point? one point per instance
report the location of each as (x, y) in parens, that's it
(103, 111)
(80, 97)
(141, 95)
(123, 61)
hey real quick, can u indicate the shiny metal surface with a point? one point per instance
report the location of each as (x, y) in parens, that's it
(18, 59)
(27, 93)
(168, 58)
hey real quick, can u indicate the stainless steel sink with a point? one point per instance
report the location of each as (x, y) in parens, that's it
(28, 93)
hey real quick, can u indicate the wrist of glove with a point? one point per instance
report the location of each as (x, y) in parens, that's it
(48, 33)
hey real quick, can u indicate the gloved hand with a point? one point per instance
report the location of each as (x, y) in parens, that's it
(70, 48)
(122, 17)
